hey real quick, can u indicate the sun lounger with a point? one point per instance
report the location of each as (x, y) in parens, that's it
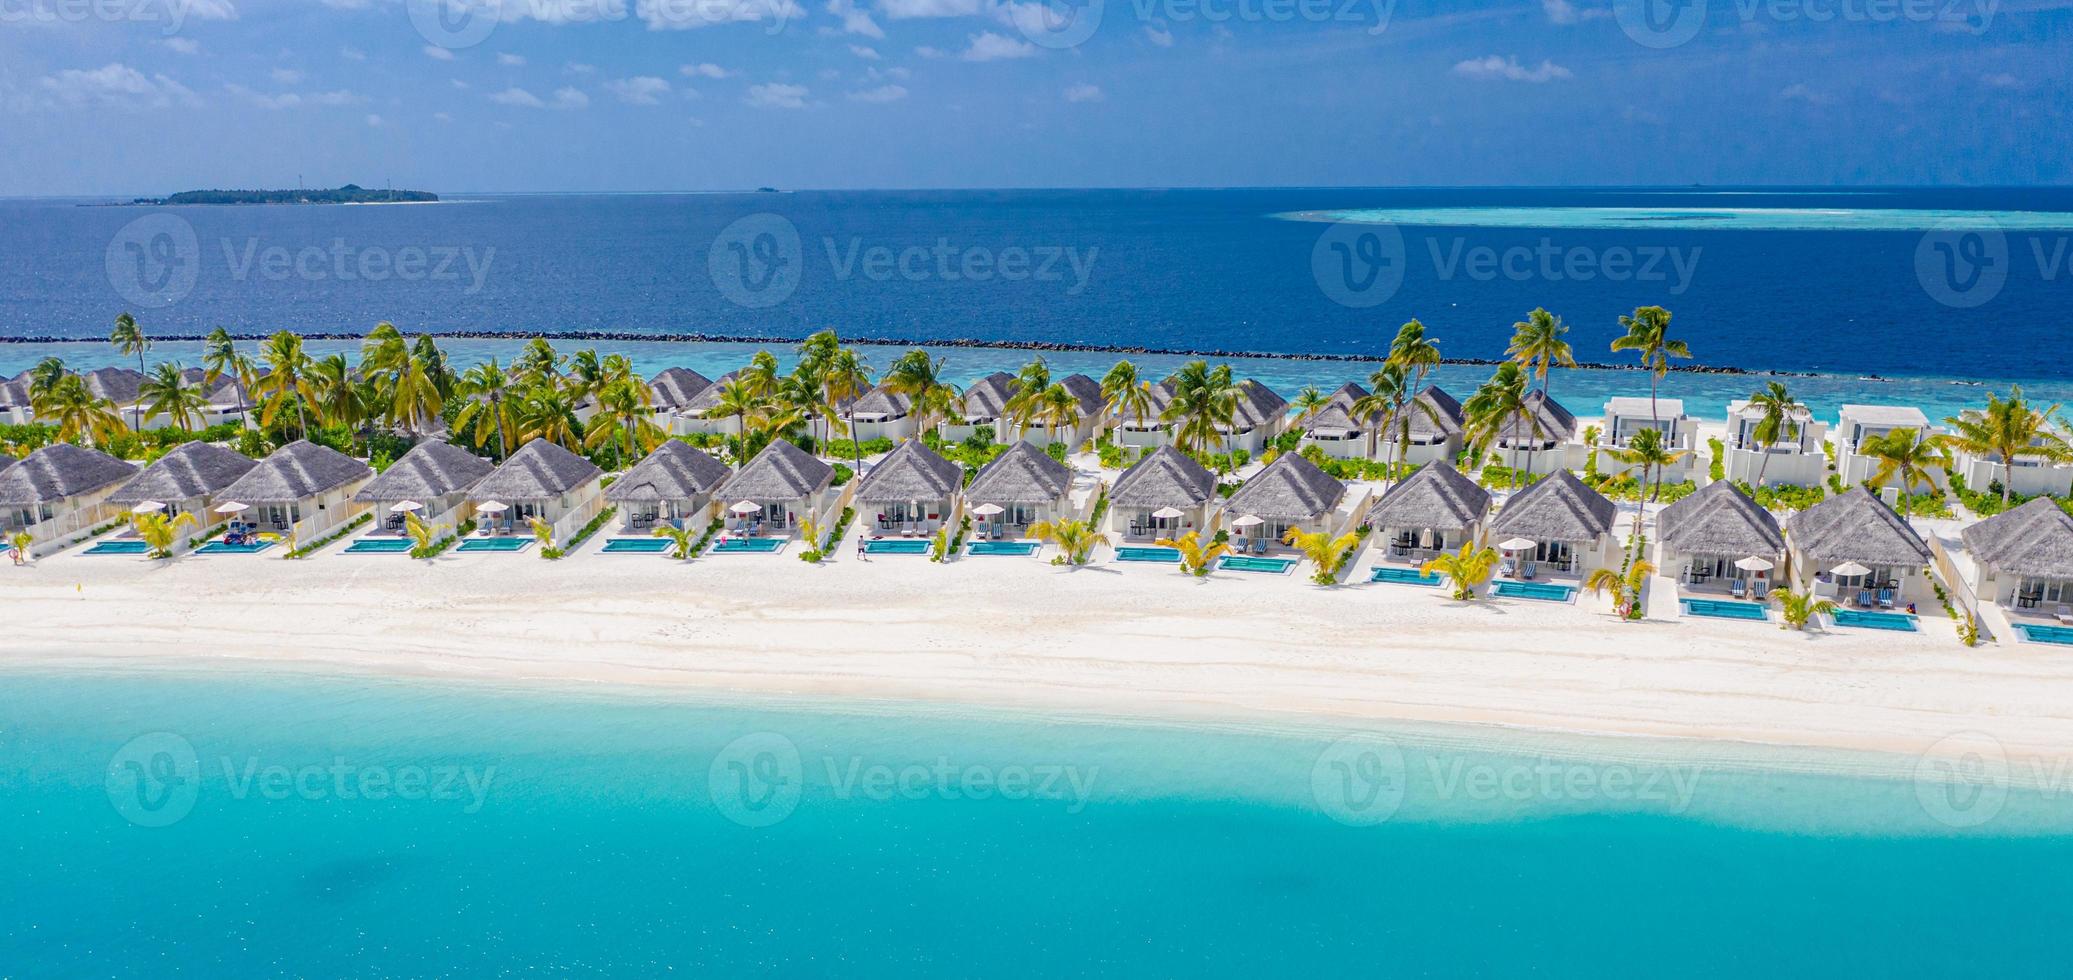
(1760, 589)
(2064, 615)
(1531, 569)
(1864, 598)
(1506, 568)
(1885, 598)
(1738, 588)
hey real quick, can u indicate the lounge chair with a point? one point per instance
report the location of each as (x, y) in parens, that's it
(1529, 571)
(1760, 589)
(1738, 588)
(1505, 568)
(2064, 615)
(1864, 598)
(1885, 598)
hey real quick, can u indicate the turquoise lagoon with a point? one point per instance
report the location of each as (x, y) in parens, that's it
(227, 826)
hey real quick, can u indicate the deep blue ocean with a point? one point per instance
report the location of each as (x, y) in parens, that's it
(167, 825)
(1839, 289)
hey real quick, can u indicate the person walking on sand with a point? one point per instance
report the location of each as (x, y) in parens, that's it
(862, 554)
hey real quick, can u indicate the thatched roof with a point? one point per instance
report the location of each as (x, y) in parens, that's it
(1855, 526)
(15, 391)
(1023, 474)
(296, 471)
(539, 469)
(675, 387)
(987, 398)
(430, 469)
(1444, 419)
(880, 401)
(190, 470)
(2035, 540)
(1257, 405)
(1558, 508)
(117, 384)
(1719, 519)
(1165, 477)
(1289, 489)
(1437, 496)
(1336, 418)
(674, 471)
(781, 472)
(1555, 421)
(709, 395)
(910, 472)
(58, 471)
(1086, 391)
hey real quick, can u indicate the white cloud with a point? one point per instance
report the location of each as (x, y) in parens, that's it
(565, 98)
(883, 93)
(777, 95)
(1508, 69)
(1565, 12)
(684, 15)
(442, 117)
(704, 71)
(294, 100)
(373, 120)
(181, 45)
(569, 98)
(1799, 92)
(578, 68)
(1083, 92)
(1157, 33)
(115, 85)
(914, 9)
(287, 76)
(2001, 80)
(457, 83)
(892, 71)
(854, 20)
(511, 60)
(639, 90)
(989, 46)
(437, 53)
(863, 52)
(931, 52)
(352, 54)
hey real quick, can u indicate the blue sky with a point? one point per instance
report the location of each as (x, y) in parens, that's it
(150, 96)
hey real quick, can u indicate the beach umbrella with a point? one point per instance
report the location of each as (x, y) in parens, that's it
(233, 508)
(1516, 544)
(988, 510)
(406, 506)
(1850, 568)
(493, 507)
(1249, 520)
(1166, 513)
(745, 507)
(148, 507)
(1755, 564)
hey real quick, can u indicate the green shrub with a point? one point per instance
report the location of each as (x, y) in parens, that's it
(843, 474)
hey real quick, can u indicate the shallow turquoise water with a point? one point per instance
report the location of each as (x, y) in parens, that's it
(1532, 590)
(379, 546)
(1866, 619)
(1402, 576)
(640, 835)
(1686, 219)
(1724, 609)
(1137, 553)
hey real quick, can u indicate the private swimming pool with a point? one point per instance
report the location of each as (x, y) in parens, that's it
(636, 546)
(379, 546)
(1722, 609)
(896, 546)
(1866, 619)
(1147, 554)
(117, 548)
(496, 544)
(1402, 576)
(1002, 548)
(2040, 633)
(226, 548)
(1540, 591)
(1247, 563)
(753, 546)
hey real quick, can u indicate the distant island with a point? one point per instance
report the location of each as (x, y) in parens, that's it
(349, 194)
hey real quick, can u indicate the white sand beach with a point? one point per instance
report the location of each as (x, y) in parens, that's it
(1134, 641)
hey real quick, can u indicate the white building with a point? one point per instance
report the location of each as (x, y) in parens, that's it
(1795, 459)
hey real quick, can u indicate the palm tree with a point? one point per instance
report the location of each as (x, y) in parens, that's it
(1779, 421)
(486, 409)
(160, 531)
(1204, 401)
(1389, 395)
(920, 378)
(738, 400)
(543, 532)
(1308, 402)
(1468, 568)
(1196, 558)
(1413, 352)
(1646, 450)
(1500, 405)
(761, 375)
(548, 411)
(1648, 332)
(623, 410)
(423, 537)
(287, 369)
(1323, 550)
(1537, 344)
(44, 377)
(1796, 609)
(220, 357)
(129, 339)
(384, 351)
(18, 544)
(1125, 395)
(1025, 406)
(165, 391)
(2007, 430)
(844, 377)
(1625, 586)
(681, 539)
(1075, 539)
(336, 394)
(1908, 456)
(537, 362)
(79, 413)
(1060, 410)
